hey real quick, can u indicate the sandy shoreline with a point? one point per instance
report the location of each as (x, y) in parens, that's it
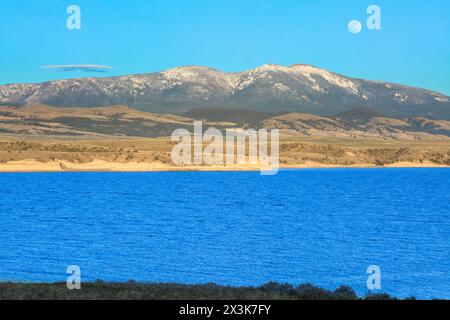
(105, 166)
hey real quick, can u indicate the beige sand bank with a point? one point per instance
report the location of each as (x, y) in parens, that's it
(105, 166)
(100, 165)
(36, 154)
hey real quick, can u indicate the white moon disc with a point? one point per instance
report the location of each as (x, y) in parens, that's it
(354, 26)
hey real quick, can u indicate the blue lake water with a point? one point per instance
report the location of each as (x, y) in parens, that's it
(323, 227)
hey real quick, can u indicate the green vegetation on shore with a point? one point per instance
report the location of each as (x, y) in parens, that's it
(136, 291)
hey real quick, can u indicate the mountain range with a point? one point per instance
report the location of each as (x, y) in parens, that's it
(270, 88)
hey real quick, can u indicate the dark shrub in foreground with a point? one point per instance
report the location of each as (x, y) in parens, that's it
(137, 291)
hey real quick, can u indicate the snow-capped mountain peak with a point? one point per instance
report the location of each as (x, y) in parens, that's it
(270, 87)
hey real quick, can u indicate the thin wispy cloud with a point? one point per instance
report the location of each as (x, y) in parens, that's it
(79, 67)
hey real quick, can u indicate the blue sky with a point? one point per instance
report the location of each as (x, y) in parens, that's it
(139, 36)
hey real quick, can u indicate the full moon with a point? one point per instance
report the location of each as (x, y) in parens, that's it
(354, 26)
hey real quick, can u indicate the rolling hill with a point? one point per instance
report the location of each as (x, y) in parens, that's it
(363, 123)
